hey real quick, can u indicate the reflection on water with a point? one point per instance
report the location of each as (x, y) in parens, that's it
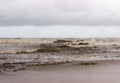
(104, 72)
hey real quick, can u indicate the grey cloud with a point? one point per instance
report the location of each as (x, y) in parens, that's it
(59, 12)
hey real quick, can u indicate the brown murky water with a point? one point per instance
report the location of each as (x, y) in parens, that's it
(104, 72)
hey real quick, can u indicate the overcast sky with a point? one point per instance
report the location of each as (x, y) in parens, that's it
(59, 18)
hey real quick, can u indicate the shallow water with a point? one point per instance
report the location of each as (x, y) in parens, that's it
(104, 72)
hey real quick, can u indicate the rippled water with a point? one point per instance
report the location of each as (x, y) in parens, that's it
(104, 72)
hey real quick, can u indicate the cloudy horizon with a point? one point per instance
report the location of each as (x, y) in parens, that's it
(59, 18)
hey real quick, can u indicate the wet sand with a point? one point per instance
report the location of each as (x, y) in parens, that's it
(104, 72)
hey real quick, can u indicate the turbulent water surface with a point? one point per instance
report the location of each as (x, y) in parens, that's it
(60, 60)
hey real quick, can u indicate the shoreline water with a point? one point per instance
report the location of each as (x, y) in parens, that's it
(105, 72)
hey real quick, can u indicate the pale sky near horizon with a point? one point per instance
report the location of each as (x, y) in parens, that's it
(59, 18)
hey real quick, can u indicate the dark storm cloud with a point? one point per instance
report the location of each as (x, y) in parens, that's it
(59, 12)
